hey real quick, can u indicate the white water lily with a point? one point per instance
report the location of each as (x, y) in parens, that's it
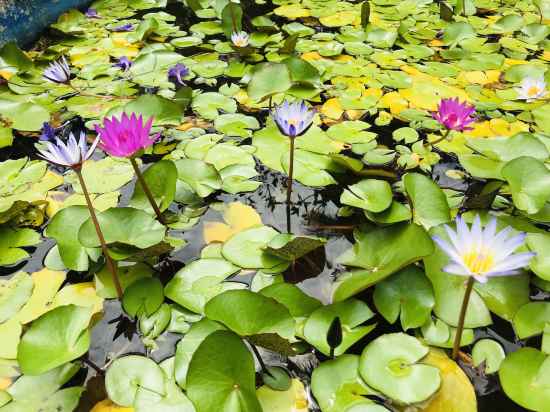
(531, 89)
(482, 253)
(240, 39)
(71, 154)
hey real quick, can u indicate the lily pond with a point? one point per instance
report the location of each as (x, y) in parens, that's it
(278, 206)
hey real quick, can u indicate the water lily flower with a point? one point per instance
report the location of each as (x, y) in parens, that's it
(58, 72)
(177, 73)
(293, 119)
(240, 39)
(454, 115)
(483, 253)
(92, 13)
(124, 137)
(124, 63)
(48, 132)
(71, 154)
(124, 27)
(531, 89)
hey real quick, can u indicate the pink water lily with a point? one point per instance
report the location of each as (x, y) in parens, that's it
(127, 136)
(454, 115)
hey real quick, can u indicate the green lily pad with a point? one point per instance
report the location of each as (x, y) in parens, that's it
(248, 313)
(369, 194)
(352, 313)
(143, 297)
(408, 292)
(161, 180)
(129, 374)
(529, 181)
(124, 225)
(25, 116)
(247, 248)
(104, 176)
(531, 319)
(540, 264)
(268, 79)
(59, 336)
(222, 361)
(209, 104)
(490, 352)
(380, 253)
(14, 293)
(429, 203)
(524, 376)
(200, 176)
(392, 364)
(236, 124)
(11, 242)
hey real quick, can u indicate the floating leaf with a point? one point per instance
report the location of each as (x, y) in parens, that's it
(490, 353)
(369, 194)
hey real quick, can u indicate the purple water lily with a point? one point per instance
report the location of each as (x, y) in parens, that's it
(71, 154)
(92, 13)
(454, 115)
(58, 72)
(177, 73)
(124, 27)
(124, 63)
(293, 119)
(48, 132)
(125, 136)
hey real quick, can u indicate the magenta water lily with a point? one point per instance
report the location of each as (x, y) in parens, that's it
(454, 115)
(293, 119)
(71, 154)
(58, 72)
(126, 136)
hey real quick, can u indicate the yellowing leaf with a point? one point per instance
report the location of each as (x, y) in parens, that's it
(496, 127)
(427, 91)
(343, 18)
(292, 11)
(354, 114)
(237, 216)
(394, 102)
(332, 109)
(4, 383)
(46, 284)
(108, 406)
(373, 91)
(311, 56)
(292, 400)
(456, 393)
(80, 294)
(6, 74)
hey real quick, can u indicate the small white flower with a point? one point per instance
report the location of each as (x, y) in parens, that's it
(531, 89)
(71, 154)
(240, 39)
(483, 253)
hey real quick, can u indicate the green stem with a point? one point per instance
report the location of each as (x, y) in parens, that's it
(290, 172)
(462, 317)
(441, 138)
(108, 259)
(146, 190)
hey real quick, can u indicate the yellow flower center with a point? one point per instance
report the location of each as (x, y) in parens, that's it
(478, 262)
(293, 122)
(240, 43)
(533, 91)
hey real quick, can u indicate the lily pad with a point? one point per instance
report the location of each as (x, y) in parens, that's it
(370, 194)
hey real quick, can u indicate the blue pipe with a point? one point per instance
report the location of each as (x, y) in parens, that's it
(22, 21)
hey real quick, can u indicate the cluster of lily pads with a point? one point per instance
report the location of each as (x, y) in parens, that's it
(138, 130)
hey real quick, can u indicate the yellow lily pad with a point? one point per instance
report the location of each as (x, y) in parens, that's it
(456, 393)
(237, 217)
(80, 294)
(343, 18)
(46, 284)
(496, 127)
(332, 109)
(107, 405)
(292, 11)
(292, 400)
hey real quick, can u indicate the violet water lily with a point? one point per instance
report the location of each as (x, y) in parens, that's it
(479, 254)
(177, 73)
(240, 39)
(48, 132)
(293, 119)
(123, 27)
(58, 72)
(126, 137)
(531, 89)
(124, 63)
(92, 13)
(73, 154)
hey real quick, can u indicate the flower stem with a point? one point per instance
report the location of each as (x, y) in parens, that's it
(441, 138)
(290, 171)
(108, 259)
(462, 317)
(146, 190)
